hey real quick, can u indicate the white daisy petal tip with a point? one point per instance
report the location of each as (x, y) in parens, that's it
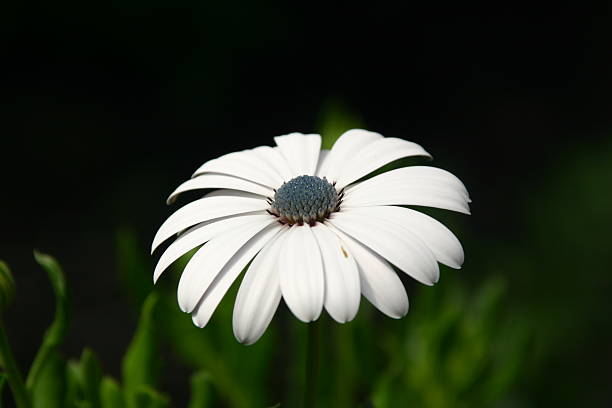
(312, 234)
(196, 321)
(400, 313)
(342, 286)
(246, 340)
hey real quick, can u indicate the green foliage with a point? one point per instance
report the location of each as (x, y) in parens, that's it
(53, 382)
(147, 397)
(11, 370)
(140, 366)
(56, 333)
(84, 378)
(50, 388)
(111, 395)
(200, 390)
(459, 350)
(90, 377)
(74, 394)
(237, 372)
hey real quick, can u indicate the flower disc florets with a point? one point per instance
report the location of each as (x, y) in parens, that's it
(305, 199)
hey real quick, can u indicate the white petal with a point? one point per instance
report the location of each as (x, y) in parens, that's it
(275, 159)
(417, 174)
(300, 151)
(205, 209)
(342, 290)
(224, 279)
(211, 180)
(347, 145)
(415, 185)
(301, 274)
(393, 242)
(322, 165)
(234, 193)
(375, 155)
(259, 293)
(245, 164)
(379, 282)
(208, 261)
(440, 240)
(199, 235)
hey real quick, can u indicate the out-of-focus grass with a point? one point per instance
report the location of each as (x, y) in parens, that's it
(505, 331)
(458, 347)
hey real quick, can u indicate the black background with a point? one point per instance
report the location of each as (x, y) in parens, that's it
(108, 106)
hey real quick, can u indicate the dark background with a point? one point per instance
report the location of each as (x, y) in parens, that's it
(107, 107)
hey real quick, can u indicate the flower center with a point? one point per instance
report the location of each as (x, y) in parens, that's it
(305, 199)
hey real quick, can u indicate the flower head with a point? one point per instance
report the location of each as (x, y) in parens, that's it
(314, 234)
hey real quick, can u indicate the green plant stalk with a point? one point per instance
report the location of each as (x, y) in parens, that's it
(13, 375)
(312, 365)
(54, 336)
(49, 344)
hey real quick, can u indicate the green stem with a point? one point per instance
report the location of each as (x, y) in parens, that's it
(13, 375)
(312, 365)
(41, 357)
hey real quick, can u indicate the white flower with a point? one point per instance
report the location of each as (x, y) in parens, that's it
(316, 236)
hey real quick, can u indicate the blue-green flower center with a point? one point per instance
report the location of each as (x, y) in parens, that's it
(305, 199)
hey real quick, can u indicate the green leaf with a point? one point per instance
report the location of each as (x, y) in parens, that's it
(140, 365)
(9, 367)
(200, 390)
(74, 392)
(50, 388)
(147, 397)
(55, 334)
(83, 380)
(110, 394)
(91, 376)
(238, 373)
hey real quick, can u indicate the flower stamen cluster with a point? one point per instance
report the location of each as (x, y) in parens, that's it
(305, 200)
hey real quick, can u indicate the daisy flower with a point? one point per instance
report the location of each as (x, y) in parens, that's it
(310, 230)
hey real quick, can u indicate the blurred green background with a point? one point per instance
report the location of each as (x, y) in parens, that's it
(109, 106)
